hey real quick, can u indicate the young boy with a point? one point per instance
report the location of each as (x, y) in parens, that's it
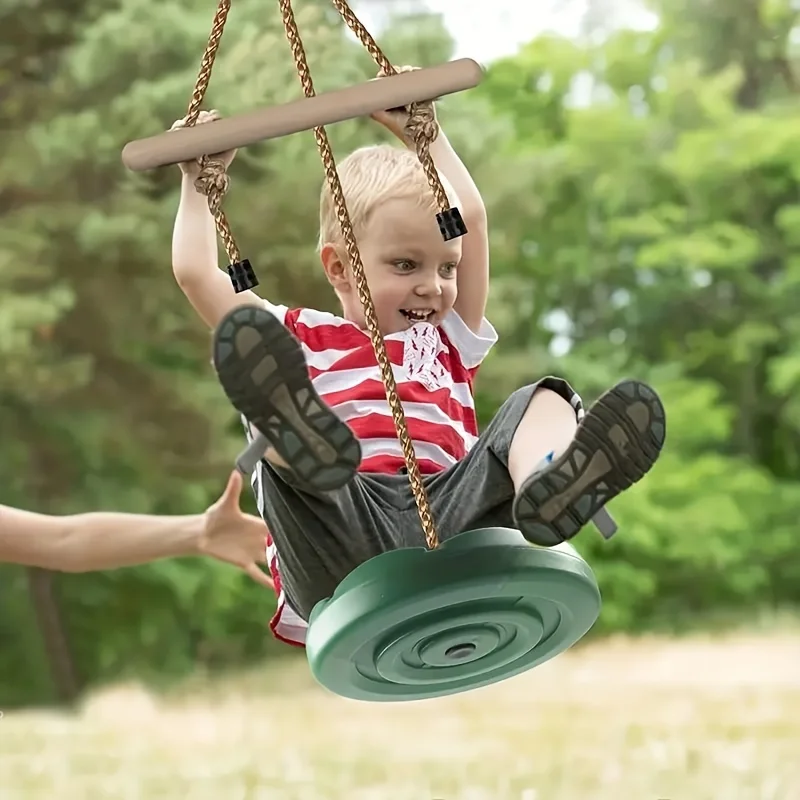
(332, 487)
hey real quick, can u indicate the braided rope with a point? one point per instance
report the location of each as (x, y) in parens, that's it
(332, 176)
(213, 180)
(421, 126)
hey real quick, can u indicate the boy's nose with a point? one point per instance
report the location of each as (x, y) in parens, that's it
(431, 288)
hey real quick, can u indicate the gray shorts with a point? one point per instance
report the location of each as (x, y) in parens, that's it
(321, 537)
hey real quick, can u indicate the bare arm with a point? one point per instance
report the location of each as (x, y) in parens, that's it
(195, 259)
(473, 269)
(195, 262)
(110, 540)
(96, 541)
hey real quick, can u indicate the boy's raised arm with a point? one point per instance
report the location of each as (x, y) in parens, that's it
(195, 251)
(473, 269)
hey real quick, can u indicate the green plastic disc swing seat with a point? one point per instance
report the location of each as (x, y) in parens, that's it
(484, 606)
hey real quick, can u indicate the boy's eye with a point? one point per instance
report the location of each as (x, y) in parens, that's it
(448, 269)
(405, 265)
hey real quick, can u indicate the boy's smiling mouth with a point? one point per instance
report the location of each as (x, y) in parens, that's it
(417, 314)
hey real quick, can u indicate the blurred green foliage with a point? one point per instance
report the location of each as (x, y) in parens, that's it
(644, 198)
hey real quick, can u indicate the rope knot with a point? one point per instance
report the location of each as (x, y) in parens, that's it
(213, 182)
(422, 125)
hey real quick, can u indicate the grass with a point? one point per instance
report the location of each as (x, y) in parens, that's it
(690, 719)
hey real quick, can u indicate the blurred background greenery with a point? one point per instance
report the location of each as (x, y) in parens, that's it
(643, 188)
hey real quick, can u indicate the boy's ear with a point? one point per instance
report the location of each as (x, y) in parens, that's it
(335, 267)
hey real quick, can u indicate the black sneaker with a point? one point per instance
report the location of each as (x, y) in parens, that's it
(616, 444)
(261, 367)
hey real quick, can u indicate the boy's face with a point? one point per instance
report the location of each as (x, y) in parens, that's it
(410, 269)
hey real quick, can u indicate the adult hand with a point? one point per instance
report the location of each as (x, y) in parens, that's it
(234, 537)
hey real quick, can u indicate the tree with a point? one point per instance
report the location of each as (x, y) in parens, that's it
(646, 226)
(107, 399)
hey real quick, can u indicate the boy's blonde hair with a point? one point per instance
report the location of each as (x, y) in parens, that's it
(371, 176)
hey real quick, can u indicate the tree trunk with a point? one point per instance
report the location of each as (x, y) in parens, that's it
(54, 635)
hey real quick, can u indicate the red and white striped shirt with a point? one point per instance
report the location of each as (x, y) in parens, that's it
(434, 368)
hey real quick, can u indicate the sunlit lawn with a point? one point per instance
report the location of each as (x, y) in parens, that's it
(686, 720)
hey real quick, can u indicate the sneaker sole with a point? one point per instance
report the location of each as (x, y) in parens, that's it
(616, 444)
(263, 372)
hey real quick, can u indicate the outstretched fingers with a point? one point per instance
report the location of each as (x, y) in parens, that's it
(232, 495)
(260, 577)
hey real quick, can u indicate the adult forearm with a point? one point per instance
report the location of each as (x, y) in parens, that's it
(194, 238)
(95, 541)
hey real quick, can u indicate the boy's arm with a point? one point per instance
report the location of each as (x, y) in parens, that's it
(195, 260)
(194, 247)
(473, 269)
